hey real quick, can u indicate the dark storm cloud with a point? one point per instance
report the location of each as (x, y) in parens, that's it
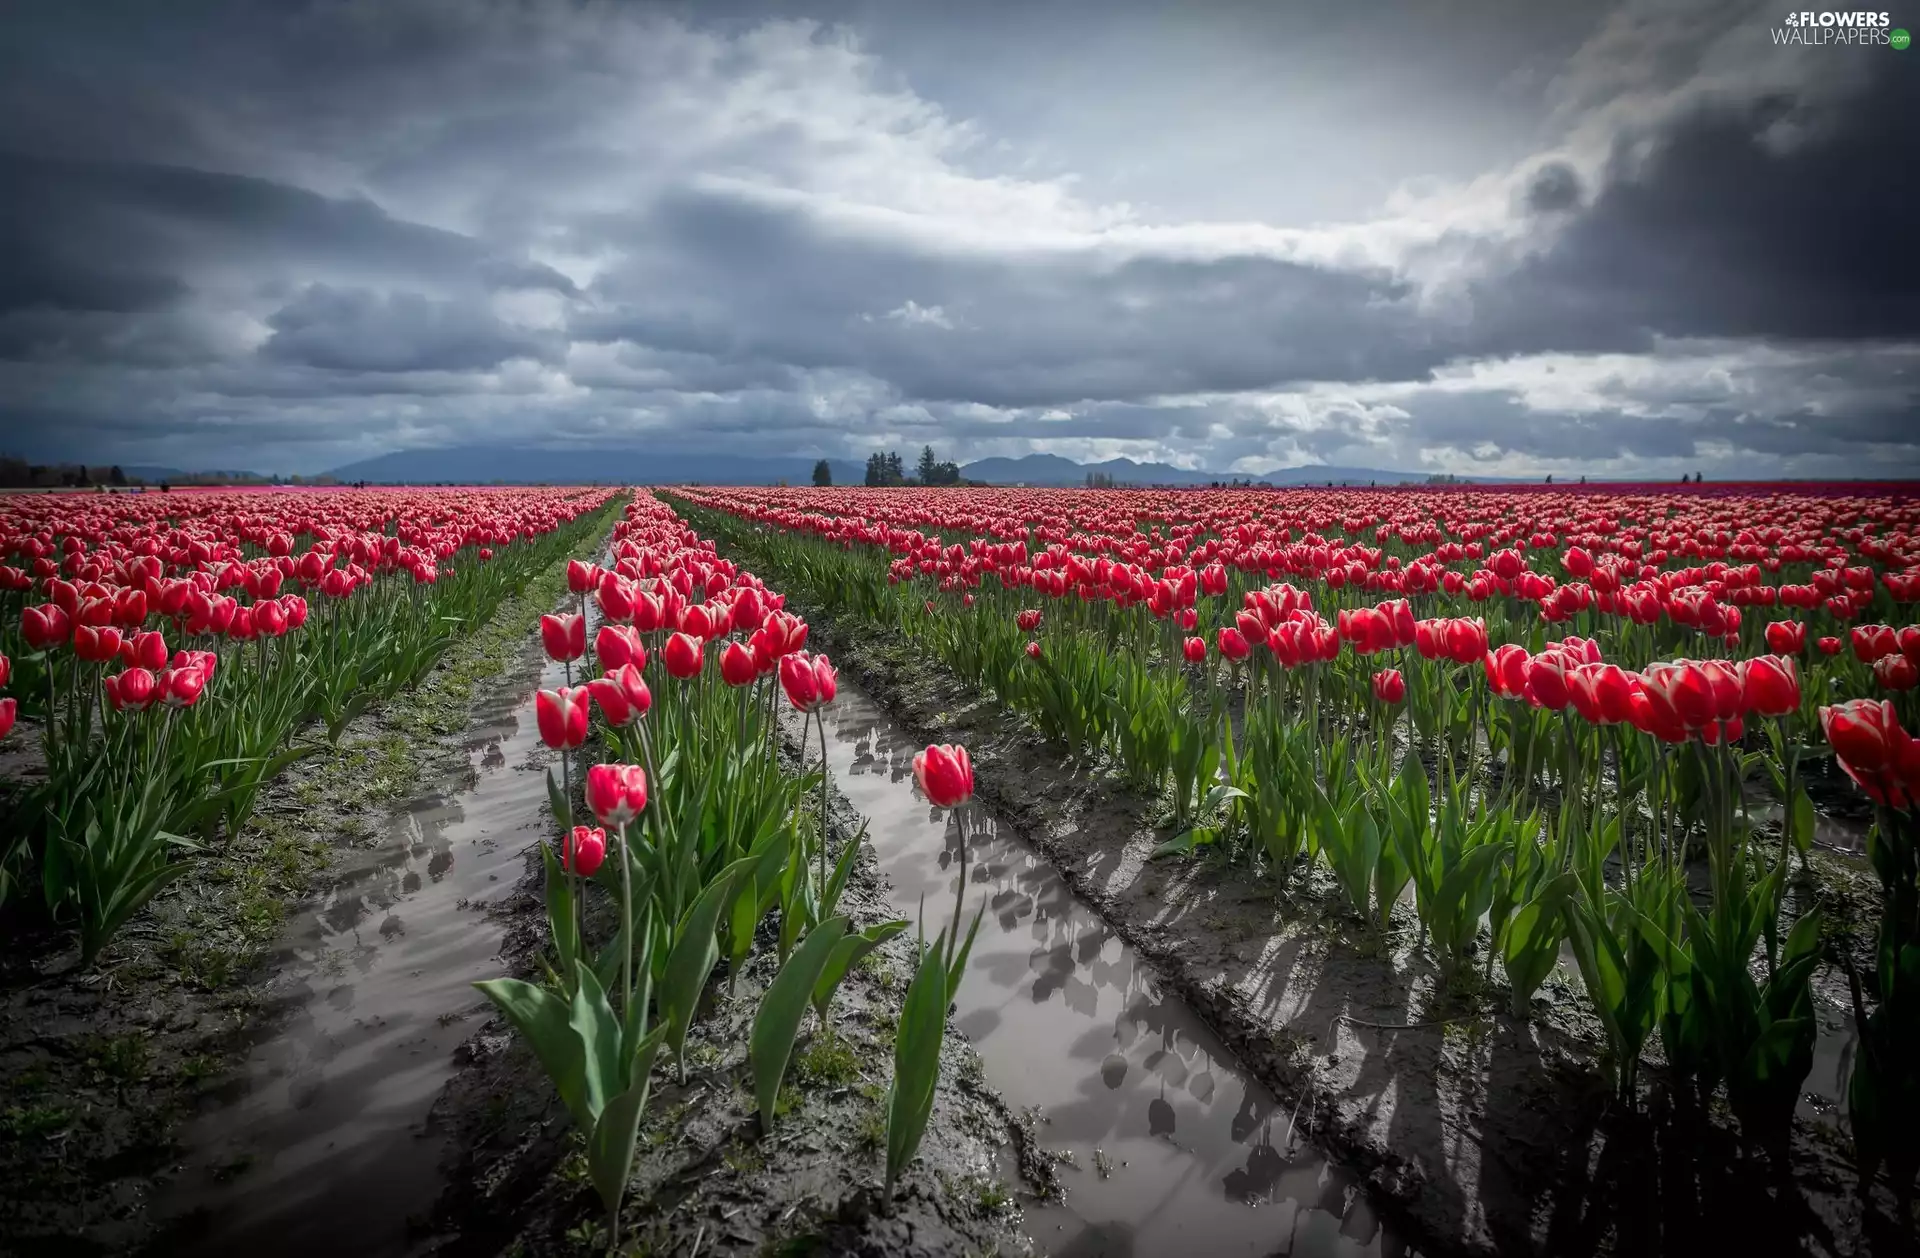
(1729, 221)
(356, 330)
(344, 227)
(1553, 188)
(724, 275)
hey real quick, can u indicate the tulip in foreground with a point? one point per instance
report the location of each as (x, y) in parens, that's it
(683, 656)
(810, 681)
(611, 700)
(562, 716)
(1772, 687)
(633, 686)
(737, 667)
(944, 774)
(564, 636)
(617, 793)
(9, 708)
(1389, 686)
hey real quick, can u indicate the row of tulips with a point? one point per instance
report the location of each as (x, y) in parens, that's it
(164, 703)
(698, 835)
(1533, 788)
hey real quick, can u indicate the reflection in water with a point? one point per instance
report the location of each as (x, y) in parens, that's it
(327, 1120)
(1174, 1150)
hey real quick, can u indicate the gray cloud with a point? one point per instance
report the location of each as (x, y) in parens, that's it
(312, 234)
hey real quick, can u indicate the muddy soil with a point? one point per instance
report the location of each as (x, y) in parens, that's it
(100, 1071)
(1475, 1132)
(706, 1178)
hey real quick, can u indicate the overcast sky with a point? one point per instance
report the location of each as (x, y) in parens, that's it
(1495, 236)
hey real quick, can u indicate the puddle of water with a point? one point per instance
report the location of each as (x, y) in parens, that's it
(1199, 1158)
(323, 1132)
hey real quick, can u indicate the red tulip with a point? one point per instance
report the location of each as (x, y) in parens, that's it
(1910, 643)
(615, 597)
(1601, 693)
(1829, 646)
(9, 709)
(1389, 686)
(1895, 672)
(130, 690)
(1233, 644)
(737, 667)
(564, 636)
(1027, 619)
(1874, 751)
(944, 774)
(180, 687)
(206, 661)
(1873, 642)
(96, 646)
(809, 681)
(749, 612)
(562, 716)
(611, 700)
(617, 793)
(1033, 650)
(786, 633)
(45, 627)
(1652, 712)
(619, 645)
(584, 851)
(1772, 685)
(581, 576)
(634, 687)
(1787, 637)
(1195, 649)
(1687, 689)
(649, 612)
(6, 671)
(684, 657)
(1546, 684)
(1506, 669)
(269, 619)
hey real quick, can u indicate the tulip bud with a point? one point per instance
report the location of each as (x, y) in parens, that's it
(584, 851)
(617, 793)
(736, 665)
(562, 716)
(683, 656)
(611, 700)
(634, 687)
(1389, 686)
(1772, 688)
(944, 775)
(564, 636)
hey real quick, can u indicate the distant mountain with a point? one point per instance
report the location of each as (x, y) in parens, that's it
(1051, 469)
(481, 465)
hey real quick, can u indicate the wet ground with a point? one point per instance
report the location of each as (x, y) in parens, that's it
(328, 1117)
(1168, 1147)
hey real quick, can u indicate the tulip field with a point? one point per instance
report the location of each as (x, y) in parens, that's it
(1599, 725)
(1514, 740)
(165, 650)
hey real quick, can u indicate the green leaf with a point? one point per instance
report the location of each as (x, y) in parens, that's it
(916, 1062)
(695, 950)
(544, 1017)
(557, 799)
(778, 1021)
(847, 954)
(593, 1021)
(611, 1144)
